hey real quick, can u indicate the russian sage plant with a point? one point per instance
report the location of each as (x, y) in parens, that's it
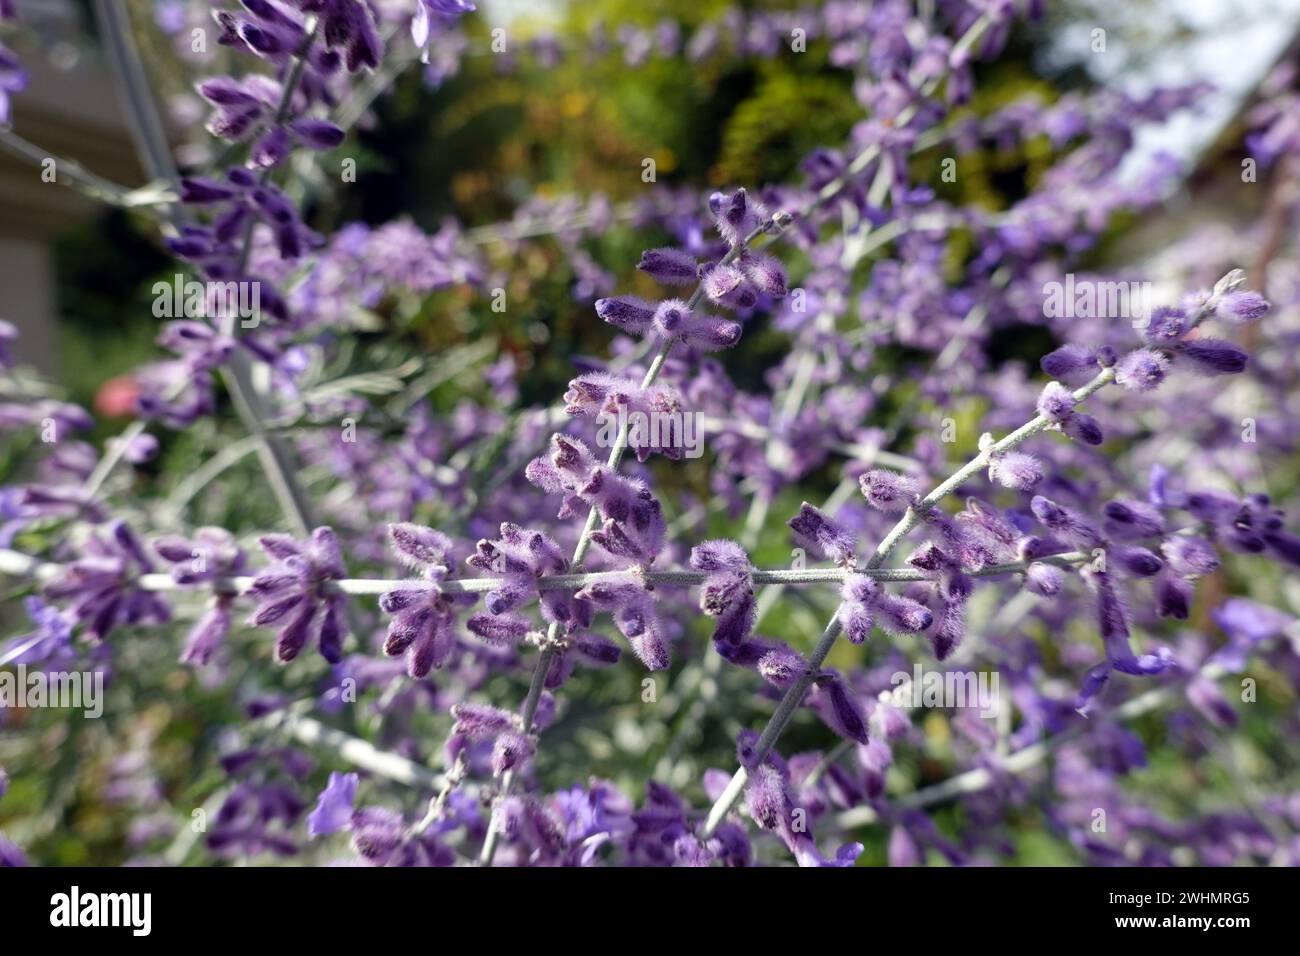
(408, 644)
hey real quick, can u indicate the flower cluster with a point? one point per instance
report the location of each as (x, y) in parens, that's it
(293, 593)
(728, 592)
(770, 805)
(210, 556)
(101, 587)
(423, 622)
(632, 525)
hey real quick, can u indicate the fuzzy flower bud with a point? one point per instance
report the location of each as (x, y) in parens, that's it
(1056, 403)
(888, 491)
(669, 266)
(1141, 370)
(1242, 307)
(705, 332)
(1190, 556)
(479, 721)
(1084, 429)
(1215, 356)
(736, 215)
(626, 312)
(1073, 364)
(1138, 562)
(1044, 579)
(815, 529)
(1132, 519)
(766, 274)
(1065, 522)
(1166, 326)
(1015, 470)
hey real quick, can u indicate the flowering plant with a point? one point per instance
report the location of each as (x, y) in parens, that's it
(1003, 558)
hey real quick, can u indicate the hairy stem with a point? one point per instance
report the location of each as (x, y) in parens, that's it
(17, 564)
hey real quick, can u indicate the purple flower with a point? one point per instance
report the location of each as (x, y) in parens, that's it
(479, 721)
(1132, 519)
(294, 593)
(736, 215)
(382, 838)
(1191, 556)
(1214, 356)
(768, 800)
(422, 626)
(1173, 597)
(1045, 579)
(1241, 307)
(1056, 403)
(102, 584)
(1138, 562)
(1141, 370)
(1065, 522)
(729, 287)
(627, 312)
(765, 273)
(1112, 619)
(832, 700)
(519, 557)
(728, 594)
(511, 751)
(334, 807)
(1166, 326)
(10, 855)
(611, 400)
(349, 25)
(1084, 428)
(889, 491)
(217, 247)
(633, 526)
(902, 615)
(1073, 364)
(858, 595)
(50, 642)
(780, 665)
(1247, 624)
(259, 812)
(707, 333)
(670, 266)
(1015, 470)
(822, 535)
(633, 610)
(210, 555)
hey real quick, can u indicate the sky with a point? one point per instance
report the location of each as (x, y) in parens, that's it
(1231, 43)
